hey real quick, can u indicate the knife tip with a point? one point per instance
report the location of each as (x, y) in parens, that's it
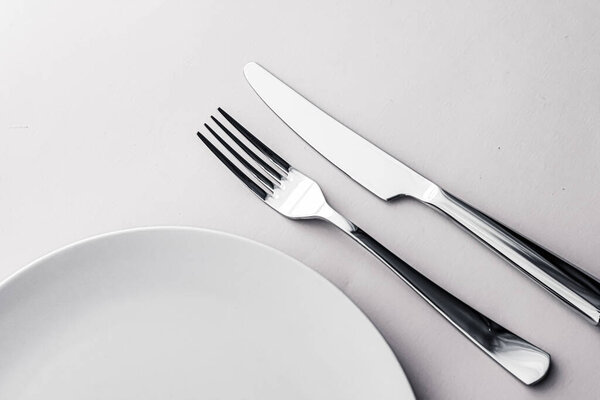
(249, 67)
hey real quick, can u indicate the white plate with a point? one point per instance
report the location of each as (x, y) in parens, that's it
(182, 313)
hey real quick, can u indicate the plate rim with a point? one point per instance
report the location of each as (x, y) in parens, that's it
(31, 266)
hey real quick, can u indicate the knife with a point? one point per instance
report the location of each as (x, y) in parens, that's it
(388, 178)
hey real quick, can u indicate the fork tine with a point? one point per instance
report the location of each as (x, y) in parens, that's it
(233, 168)
(248, 151)
(241, 159)
(257, 143)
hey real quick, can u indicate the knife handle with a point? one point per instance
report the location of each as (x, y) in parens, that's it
(575, 287)
(522, 359)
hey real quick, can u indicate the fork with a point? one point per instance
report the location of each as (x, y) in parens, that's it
(296, 196)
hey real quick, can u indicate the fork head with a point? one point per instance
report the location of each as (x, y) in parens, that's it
(269, 176)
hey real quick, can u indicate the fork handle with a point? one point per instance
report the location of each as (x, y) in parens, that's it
(525, 361)
(567, 282)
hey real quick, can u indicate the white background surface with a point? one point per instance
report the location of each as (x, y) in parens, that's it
(496, 101)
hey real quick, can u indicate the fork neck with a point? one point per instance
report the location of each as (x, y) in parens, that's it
(327, 213)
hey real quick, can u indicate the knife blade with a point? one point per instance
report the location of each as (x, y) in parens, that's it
(364, 162)
(387, 178)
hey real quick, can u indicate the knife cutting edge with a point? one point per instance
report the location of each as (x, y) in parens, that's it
(388, 178)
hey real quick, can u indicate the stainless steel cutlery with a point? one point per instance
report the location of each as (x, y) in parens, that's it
(388, 178)
(296, 196)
